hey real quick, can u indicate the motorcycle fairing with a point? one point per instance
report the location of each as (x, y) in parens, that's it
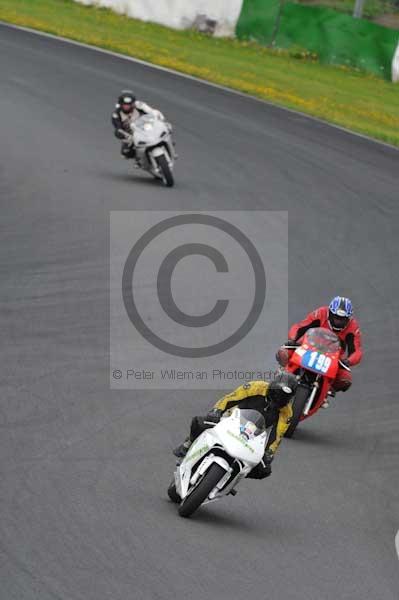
(227, 437)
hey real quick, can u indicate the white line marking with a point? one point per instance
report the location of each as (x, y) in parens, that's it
(397, 543)
(197, 79)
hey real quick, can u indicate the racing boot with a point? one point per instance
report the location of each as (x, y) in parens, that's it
(182, 450)
(127, 150)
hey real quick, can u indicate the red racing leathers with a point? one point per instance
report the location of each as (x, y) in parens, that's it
(350, 338)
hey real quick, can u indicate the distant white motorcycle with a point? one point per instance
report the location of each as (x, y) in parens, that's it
(218, 459)
(152, 138)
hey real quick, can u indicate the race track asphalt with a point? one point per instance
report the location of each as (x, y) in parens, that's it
(84, 469)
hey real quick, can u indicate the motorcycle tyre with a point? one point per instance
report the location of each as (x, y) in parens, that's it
(194, 500)
(167, 175)
(298, 405)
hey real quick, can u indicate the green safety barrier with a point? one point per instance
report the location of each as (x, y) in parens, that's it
(336, 38)
(257, 19)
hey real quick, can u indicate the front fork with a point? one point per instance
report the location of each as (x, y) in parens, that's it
(316, 386)
(154, 163)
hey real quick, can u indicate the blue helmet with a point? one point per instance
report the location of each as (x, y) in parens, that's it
(340, 313)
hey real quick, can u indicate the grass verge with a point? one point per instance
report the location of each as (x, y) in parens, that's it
(352, 99)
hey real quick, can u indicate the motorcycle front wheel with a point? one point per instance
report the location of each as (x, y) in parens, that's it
(298, 405)
(167, 175)
(202, 491)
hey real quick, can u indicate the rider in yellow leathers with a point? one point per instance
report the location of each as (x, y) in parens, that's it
(270, 398)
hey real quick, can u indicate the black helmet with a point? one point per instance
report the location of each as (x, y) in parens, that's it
(126, 101)
(282, 389)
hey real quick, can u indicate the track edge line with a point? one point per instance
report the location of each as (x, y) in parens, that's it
(196, 79)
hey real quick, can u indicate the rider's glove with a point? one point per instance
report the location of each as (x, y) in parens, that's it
(345, 362)
(263, 469)
(283, 353)
(214, 415)
(157, 114)
(122, 134)
(267, 463)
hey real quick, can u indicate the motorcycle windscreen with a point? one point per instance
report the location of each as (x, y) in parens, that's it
(145, 122)
(323, 340)
(320, 351)
(252, 423)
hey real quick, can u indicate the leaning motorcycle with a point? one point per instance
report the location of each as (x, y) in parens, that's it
(152, 138)
(218, 459)
(315, 362)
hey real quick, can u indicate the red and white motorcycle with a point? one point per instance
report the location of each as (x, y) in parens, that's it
(315, 362)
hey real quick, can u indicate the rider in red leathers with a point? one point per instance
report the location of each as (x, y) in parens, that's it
(338, 317)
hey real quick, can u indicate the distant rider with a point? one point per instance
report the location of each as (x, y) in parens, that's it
(338, 317)
(127, 110)
(271, 399)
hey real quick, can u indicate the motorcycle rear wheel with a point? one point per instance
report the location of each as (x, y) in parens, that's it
(298, 405)
(201, 492)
